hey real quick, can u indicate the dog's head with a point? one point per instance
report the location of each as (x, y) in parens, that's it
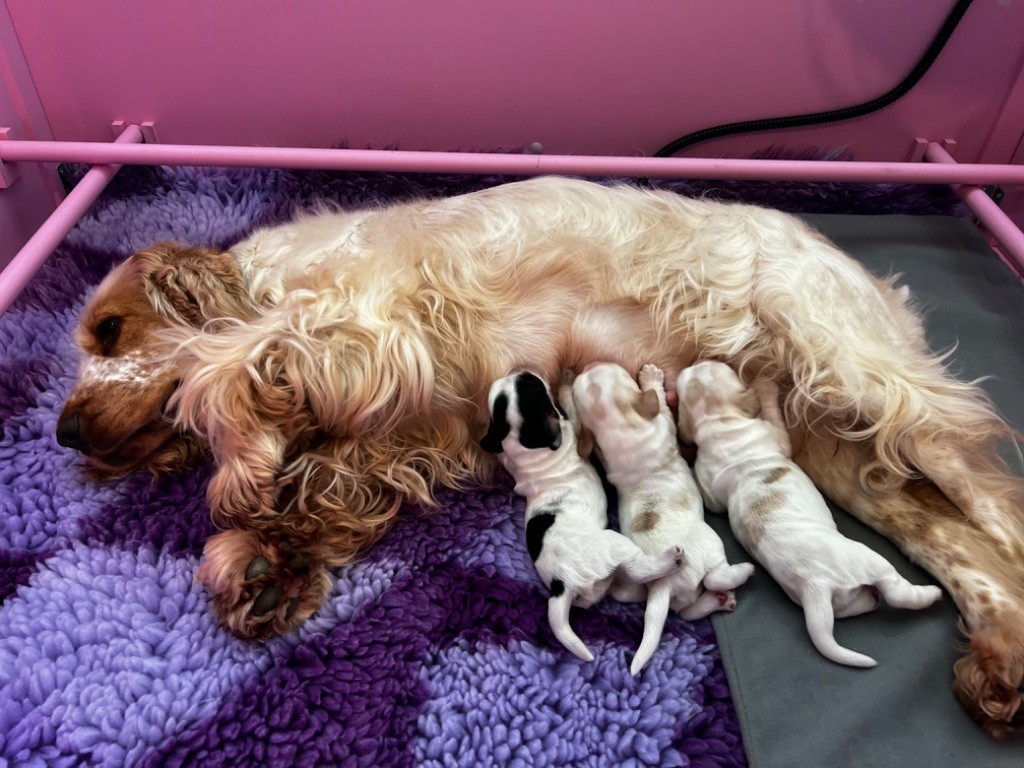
(523, 412)
(709, 389)
(115, 414)
(608, 399)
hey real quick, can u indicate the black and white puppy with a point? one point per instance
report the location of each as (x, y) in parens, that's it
(575, 553)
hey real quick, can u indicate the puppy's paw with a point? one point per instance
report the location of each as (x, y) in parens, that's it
(726, 600)
(677, 554)
(651, 376)
(259, 587)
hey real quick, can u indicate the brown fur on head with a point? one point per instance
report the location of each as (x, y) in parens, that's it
(712, 389)
(125, 378)
(989, 681)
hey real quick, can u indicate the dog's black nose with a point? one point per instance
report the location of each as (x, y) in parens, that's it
(69, 433)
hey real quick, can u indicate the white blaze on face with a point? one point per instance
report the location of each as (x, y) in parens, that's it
(132, 370)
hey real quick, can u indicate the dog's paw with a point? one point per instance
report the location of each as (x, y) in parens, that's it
(259, 587)
(677, 554)
(726, 600)
(651, 376)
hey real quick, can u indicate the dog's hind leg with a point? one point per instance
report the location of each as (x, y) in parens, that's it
(558, 617)
(709, 602)
(986, 583)
(641, 567)
(724, 577)
(900, 593)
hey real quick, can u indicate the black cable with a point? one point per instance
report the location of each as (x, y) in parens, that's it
(832, 115)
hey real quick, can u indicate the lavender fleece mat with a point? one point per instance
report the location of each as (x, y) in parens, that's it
(435, 650)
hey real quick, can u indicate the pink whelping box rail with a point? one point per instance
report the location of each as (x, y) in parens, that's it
(940, 168)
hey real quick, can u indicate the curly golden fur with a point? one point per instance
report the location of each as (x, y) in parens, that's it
(338, 366)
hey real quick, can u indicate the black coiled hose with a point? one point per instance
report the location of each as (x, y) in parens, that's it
(832, 115)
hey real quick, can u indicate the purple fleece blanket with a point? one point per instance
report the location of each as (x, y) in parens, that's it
(434, 650)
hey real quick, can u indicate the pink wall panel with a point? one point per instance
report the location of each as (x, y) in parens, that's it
(585, 76)
(32, 197)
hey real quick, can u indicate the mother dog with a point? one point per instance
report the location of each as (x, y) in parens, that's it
(340, 364)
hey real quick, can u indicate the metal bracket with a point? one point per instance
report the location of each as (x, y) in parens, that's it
(148, 128)
(919, 146)
(8, 171)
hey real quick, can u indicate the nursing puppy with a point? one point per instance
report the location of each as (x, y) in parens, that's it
(659, 505)
(566, 509)
(776, 512)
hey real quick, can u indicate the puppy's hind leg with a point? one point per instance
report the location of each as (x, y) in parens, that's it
(900, 593)
(724, 577)
(817, 603)
(708, 603)
(641, 567)
(558, 618)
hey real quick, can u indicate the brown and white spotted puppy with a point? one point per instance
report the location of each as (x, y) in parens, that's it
(567, 532)
(659, 505)
(743, 464)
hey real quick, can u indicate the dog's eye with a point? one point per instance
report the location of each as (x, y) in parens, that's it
(108, 331)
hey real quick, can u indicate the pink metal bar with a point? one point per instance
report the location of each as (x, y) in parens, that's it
(1001, 227)
(518, 165)
(31, 257)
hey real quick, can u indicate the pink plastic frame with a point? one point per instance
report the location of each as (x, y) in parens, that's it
(941, 169)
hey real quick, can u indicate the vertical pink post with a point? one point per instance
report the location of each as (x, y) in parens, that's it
(992, 217)
(35, 252)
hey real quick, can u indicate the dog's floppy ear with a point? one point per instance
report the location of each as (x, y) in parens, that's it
(748, 404)
(194, 285)
(647, 405)
(498, 429)
(542, 427)
(685, 423)
(585, 443)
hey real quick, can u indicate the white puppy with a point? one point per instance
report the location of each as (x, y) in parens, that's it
(776, 512)
(659, 505)
(567, 532)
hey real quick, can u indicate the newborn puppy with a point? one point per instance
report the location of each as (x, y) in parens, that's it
(659, 505)
(566, 509)
(776, 511)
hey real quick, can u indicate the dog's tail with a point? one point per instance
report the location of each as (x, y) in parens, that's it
(817, 600)
(558, 618)
(659, 593)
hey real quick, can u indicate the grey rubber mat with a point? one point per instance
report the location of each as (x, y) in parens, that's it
(798, 710)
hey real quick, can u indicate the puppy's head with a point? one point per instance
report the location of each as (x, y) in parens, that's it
(608, 398)
(523, 411)
(115, 412)
(710, 389)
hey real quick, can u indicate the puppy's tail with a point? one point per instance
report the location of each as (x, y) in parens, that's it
(817, 600)
(558, 618)
(659, 594)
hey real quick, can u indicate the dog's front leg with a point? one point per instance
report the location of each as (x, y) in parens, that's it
(242, 493)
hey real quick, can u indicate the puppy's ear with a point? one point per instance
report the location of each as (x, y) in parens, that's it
(194, 285)
(498, 429)
(748, 404)
(685, 423)
(585, 443)
(647, 404)
(542, 426)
